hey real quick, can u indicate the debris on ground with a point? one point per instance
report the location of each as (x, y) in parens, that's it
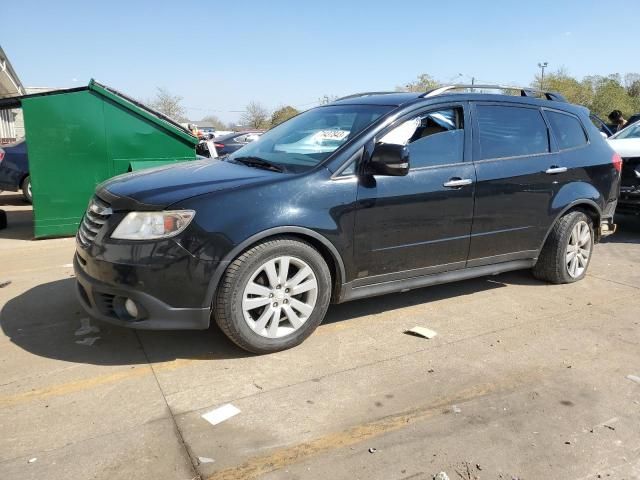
(67, 265)
(205, 460)
(220, 414)
(31, 460)
(441, 476)
(421, 332)
(609, 427)
(86, 327)
(4, 283)
(88, 341)
(373, 450)
(633, 378)
(455, 409)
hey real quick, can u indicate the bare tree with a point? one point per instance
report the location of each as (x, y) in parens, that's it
(255, 116)
(168, 104)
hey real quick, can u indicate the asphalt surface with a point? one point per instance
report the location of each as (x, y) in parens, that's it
(524, 380)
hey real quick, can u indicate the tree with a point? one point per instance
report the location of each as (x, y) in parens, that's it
(632, 84)
(423, 83)
(282, 114)
(255, 116)
(215, 121)
(168, 104)
(600, 94)
(560, 81)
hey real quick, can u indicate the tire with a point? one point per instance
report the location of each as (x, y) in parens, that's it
(555, 261)
(26, 189)
(266, 328)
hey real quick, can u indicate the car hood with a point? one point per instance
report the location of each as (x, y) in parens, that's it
(160, 187)
(626, 147)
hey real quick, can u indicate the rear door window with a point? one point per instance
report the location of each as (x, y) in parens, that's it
(567, 129)
(511, 131)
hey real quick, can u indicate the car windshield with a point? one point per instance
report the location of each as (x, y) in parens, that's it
(632, 131)
(308, 139)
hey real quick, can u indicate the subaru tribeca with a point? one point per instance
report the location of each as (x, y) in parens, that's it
(376, 193)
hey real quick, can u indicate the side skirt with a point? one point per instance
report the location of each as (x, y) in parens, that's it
(349, 292)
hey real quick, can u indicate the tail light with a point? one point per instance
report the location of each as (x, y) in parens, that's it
(218, 145)
(1, 155)
(617, 162)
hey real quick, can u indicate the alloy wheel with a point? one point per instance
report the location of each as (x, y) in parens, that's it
(279, 297)
(578, 249)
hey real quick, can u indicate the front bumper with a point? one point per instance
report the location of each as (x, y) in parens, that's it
(106, 302)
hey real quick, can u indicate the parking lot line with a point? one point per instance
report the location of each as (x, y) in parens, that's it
(91, 382)
(260, 465)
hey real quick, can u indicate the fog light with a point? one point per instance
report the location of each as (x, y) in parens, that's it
(131, 308)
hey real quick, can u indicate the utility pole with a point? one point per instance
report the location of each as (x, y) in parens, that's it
(542, 66)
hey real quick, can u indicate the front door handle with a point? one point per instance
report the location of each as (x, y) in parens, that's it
(554, 170)
(457, 182)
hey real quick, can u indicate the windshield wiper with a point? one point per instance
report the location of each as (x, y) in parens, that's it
(258, 162)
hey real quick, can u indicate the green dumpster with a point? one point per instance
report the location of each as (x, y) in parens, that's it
(76, 138)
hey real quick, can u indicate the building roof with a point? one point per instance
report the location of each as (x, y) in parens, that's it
(10, 85)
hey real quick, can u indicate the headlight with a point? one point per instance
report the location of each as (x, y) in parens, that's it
(152, 225)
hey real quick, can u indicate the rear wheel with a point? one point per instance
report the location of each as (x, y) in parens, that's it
(26, 189)
(273, 296)
(567, 251)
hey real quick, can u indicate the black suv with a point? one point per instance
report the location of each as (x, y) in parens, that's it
(373, 194)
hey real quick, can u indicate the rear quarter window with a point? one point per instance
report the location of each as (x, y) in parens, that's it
(567, 130)
(511, 131)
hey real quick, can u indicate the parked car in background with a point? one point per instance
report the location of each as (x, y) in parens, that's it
(235, 141)
(604, 128)
(402, 191)
(14, 169)
(627, 144)
(633, 119)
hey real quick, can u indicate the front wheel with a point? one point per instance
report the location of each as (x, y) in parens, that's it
(273, 296)
(567, 251)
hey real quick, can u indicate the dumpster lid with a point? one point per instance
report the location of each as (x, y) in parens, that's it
(118, 97)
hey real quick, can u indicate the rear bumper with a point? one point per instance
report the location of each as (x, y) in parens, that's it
(629, 201)
(105, 302)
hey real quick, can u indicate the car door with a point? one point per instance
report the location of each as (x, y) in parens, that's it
(518, 173)
(420, 223)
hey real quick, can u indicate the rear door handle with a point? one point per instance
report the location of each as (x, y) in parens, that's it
(457, 182)
(553, 170)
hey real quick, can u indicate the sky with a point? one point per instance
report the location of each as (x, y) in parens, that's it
(219, 56)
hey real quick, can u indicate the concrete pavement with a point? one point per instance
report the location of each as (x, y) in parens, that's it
(524, 380)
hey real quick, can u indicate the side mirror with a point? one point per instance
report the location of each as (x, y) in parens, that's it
(389, 159)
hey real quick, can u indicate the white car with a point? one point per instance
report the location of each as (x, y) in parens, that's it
(626, 143)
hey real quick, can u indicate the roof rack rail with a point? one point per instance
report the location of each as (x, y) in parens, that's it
(524, 91)
(363, 94)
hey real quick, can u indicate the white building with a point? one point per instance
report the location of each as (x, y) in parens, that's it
(11, 125)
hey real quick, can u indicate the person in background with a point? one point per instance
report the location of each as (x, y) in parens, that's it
(617, 119)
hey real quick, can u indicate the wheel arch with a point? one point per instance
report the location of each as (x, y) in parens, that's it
(589, 207)
(328, 251)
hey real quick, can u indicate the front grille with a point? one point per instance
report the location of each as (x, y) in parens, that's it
(95, 217)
